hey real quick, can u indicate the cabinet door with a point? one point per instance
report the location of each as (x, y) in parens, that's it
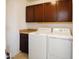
(64, 10)
(29, 14)
(39, 13)
(37, 46)
(24, 42)
(49, 12)
(59, 48)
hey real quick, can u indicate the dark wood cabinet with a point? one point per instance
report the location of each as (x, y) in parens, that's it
(24, 42)
(33, 14)
(64, 10)
(29, 14)
(48, 12)
(39, 13)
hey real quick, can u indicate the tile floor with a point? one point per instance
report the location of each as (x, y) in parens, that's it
(21, 56)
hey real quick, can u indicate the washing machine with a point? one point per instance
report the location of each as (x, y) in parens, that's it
(59, 45)
(38, 43)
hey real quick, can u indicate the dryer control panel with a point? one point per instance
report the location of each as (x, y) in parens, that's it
(65, 31)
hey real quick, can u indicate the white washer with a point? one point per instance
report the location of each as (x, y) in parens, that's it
(37, 43)
(37, 46)
(59, 47)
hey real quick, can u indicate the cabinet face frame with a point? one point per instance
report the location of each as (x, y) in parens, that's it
(50, 21)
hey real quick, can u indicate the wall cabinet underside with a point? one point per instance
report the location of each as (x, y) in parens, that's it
(48, 12)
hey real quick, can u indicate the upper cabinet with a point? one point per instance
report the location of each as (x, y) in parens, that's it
(64, 10)
(49, 12)
(29, 14)
(39, 13)
(61, 11)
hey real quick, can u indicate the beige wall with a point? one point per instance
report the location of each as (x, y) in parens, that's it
(32, 2)
(15, 18)
(51, 25)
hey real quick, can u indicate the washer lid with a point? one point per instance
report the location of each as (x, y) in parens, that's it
(39, 33)
(44, 30)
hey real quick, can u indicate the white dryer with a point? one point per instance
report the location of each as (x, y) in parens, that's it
(60, 44)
